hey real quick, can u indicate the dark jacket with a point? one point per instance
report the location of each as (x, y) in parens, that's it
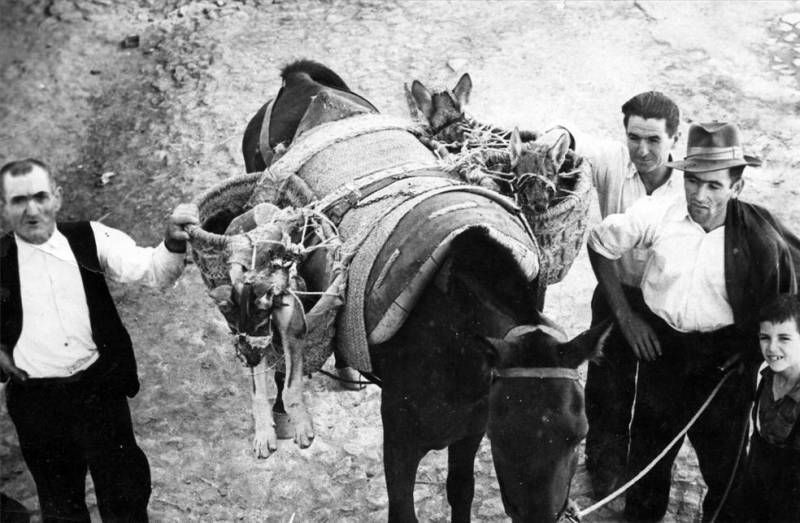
(108, 332)
(762, 260)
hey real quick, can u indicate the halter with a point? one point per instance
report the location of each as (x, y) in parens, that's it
(536, 372)
(459, 119)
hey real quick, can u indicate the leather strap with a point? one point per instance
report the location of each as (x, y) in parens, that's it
(537, 373)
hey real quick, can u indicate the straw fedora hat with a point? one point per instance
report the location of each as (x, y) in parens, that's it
(713, 147)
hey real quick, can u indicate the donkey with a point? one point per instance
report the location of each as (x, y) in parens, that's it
(537, 166)
(444, 113)
(473, 353)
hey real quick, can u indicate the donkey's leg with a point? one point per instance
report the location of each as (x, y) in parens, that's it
(265, 441)
(289, 325)
(461, 477)
(401, 453)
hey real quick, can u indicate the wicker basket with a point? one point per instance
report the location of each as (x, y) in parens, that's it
(560, 230)
(218, 205)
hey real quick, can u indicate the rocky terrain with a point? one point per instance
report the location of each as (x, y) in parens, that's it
(141, 104)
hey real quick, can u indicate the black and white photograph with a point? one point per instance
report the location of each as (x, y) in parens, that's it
(288, 261)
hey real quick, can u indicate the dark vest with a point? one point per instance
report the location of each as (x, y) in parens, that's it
(116, 359)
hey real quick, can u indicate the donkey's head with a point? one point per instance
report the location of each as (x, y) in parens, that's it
(263, 274)
(442, 110)
(536, 416)
(536, 166)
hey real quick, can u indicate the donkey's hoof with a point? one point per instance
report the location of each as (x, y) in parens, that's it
(283, 425)
(304, 433)
(265, 443)
(351, 378)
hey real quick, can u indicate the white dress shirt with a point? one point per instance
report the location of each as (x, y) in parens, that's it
(619, 186)
(684, 276)
(56, 338)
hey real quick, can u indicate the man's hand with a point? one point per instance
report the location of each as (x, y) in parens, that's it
(7, 366)
(553, 136)
(641, 337)
(176, 236)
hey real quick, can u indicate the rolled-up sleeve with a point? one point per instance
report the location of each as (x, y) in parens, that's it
(635, 228)
(126, 262)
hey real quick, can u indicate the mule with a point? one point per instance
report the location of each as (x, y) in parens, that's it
(538, 170)
(471, 353)
(301, 81)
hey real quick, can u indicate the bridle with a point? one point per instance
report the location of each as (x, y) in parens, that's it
(536, 372)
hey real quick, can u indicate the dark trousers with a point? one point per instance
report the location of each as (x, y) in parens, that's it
(610, 389)
(770, 490)
(670, 391)
(66, 427)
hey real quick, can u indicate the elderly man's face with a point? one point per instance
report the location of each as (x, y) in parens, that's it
(649, 144)
(30, 204)
(707, 196)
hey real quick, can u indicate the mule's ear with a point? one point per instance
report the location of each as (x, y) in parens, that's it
(587, 345)
(559, 151)
(462, 90)
(423, 98)
(493, 348)
(515, 146)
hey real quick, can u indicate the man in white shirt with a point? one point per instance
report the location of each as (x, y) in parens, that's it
(622, 173)
(69, 357)
(711, 261)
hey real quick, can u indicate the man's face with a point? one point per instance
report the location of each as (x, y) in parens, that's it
(30, 205)
(780, 345)
(649, 144)
(707, 196)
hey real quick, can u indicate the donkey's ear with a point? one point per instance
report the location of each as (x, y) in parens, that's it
(587, 345)
(423, 98)
(515, 146)
(462, 90)
(559, 151)
(493, 349)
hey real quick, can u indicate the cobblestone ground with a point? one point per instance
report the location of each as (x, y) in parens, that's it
(134, 129)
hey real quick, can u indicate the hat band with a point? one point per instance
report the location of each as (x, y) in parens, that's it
(715, 153)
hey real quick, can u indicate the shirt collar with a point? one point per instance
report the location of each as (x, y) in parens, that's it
(55, 244)
(794, 393)
(632, 172)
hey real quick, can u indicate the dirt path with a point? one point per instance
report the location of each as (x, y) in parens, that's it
(166, 118)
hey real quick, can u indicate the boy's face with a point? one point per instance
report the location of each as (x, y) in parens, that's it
(780, 345)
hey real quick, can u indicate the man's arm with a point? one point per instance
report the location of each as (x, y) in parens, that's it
(126, 262)
(639, 335)
(7, 367)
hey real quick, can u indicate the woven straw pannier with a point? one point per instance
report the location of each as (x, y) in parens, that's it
(217, 207)
(561, 229)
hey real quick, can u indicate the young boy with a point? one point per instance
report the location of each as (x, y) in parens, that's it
(771, 485)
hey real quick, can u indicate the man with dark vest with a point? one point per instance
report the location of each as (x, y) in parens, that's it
(68, 355)
(712, 261)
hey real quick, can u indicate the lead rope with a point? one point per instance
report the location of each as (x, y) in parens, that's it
(671, 444)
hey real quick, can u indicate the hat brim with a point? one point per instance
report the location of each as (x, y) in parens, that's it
(704, 166)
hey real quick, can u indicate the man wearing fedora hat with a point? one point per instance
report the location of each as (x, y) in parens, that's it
(622, 173)
(712, 261)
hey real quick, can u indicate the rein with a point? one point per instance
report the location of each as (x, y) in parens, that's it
(671, 444)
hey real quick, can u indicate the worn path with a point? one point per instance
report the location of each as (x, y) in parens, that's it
(132, 131)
